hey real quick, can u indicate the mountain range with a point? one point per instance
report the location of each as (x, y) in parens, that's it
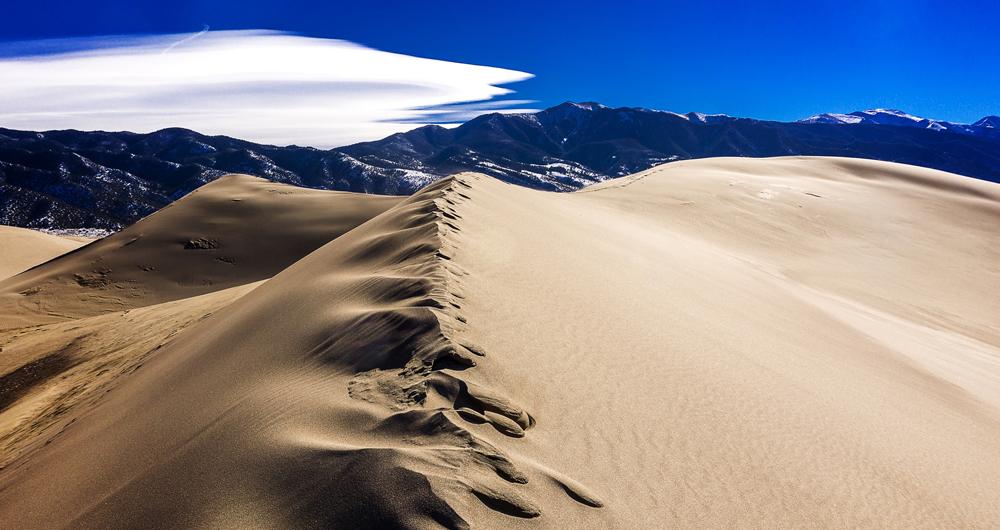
(988, 126)
(77, 179)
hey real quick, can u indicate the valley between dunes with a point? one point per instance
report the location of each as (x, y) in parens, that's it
(788, 342)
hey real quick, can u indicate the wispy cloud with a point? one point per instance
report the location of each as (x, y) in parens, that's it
(260, 85)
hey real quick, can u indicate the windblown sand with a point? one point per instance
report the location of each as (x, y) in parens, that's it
(791, 342)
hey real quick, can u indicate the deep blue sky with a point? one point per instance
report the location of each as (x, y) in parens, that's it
(776, 60)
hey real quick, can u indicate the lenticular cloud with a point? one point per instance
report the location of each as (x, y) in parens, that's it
(262, 86)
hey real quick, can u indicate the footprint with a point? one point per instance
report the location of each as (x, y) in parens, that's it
(577, 492)
(504, 424)
(508, 503)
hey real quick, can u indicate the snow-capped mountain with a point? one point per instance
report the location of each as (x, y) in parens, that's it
(897, 118)
(76, 179)
(988, 122)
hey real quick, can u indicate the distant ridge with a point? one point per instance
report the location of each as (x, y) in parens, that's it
(985, 127)
(77, 179)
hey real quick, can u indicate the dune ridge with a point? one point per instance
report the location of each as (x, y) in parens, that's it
(403, 439)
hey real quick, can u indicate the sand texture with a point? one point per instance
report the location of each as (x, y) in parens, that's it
(792, 342)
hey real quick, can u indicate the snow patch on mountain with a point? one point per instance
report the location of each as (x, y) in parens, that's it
(830, 117)
(701, 117)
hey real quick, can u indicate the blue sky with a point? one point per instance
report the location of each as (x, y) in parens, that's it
(775, 60)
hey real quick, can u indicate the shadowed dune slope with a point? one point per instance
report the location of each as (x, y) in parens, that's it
(233, 231)
(51, 373)
(794, 342)
(21, 249)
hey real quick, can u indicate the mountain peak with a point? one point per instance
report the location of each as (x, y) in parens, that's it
(833, 118)
(988, 122)
(894, 112)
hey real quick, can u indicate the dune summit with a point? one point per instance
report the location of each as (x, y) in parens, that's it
(790, 342)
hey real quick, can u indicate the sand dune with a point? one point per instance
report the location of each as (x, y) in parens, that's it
(21, 249)
(54, 371)
(230, 232)
(795, 342)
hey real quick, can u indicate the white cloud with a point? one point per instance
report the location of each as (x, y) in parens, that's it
(263, 86)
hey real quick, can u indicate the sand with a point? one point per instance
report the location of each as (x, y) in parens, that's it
(791, 342)
(233, 231)
(22, 249)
